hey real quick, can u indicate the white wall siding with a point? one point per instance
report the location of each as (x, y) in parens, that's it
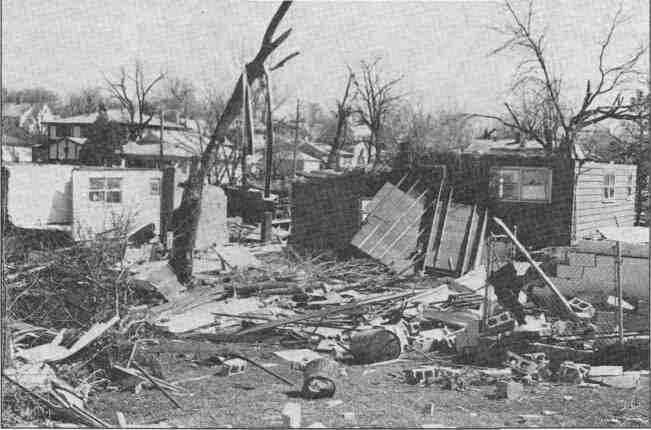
(138, 206)
(39, 194)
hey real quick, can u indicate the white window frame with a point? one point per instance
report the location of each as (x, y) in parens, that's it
(104, 189)
(495, 171)
(154, 186)
(608, 187)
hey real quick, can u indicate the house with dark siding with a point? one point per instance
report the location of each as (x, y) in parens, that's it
(549, 199)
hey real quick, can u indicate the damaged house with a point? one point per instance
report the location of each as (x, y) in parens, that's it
(547, 200)
(85, 201)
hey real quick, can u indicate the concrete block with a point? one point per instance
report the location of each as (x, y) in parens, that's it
(569, 272)
(428, 374)
(582, 308)
(521, 364)
(605, 371)
(292, 415)
(582, 259)
(573, 372)
(234, 366)
(508, 390)
(625, 380)
(500, 323)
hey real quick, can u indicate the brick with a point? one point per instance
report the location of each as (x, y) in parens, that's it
(582, 259)
(508, 390)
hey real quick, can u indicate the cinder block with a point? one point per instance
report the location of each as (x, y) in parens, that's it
(573, 372)
(582, 308)
(570, 272)
(508, 390)
(500, 323)
(582, 259)
(234, 366)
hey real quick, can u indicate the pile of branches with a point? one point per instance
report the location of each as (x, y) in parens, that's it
(71, 287)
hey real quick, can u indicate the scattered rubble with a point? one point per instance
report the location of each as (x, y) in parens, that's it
(79, 322)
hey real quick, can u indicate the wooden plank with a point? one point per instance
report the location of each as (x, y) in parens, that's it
(451, 246)
(437, 245)
(434, 230)
(323, 313)
(481, 242)
(470, 240)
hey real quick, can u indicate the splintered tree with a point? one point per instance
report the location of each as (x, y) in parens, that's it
(543, 113)
(344, 110)
(377, 99)
(187, 215)
(136, 102)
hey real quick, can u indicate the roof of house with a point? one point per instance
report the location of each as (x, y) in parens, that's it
(15, 109)
(176, 143)
(118, 115)
(11, 140)
(513, 147)
(77, 140)
(300, 156)
(322, 150)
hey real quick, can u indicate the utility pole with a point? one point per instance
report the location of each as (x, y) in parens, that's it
(270, 138)
(295, 139)
(161, 155)
(246, 127)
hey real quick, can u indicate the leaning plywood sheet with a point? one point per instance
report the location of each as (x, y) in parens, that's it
(392, 227)
(451, 247)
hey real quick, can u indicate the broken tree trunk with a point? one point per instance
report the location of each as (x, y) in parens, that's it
(190, 209)
(343, 112)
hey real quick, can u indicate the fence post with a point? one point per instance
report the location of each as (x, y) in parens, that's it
(620, 293)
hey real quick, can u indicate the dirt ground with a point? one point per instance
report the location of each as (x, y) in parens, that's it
(377, 396)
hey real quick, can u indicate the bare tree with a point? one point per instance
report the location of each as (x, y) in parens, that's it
(85, 101)
(423, 131)
(181, 96)
(187, 215)
(344, 111)
(377, 98)
(543, 114)
(135, 102)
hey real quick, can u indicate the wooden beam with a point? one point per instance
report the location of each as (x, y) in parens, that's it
(533, 263)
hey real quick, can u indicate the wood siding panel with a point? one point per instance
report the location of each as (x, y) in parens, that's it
(591, 212)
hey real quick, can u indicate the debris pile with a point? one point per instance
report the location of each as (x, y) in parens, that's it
(81, 318)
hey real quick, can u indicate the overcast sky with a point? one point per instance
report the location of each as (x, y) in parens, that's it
(440, 47)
